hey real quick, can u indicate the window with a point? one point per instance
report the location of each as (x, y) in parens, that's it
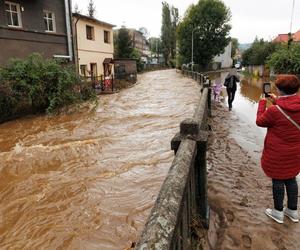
(90, 33)
(83, 70)
(13, 14)
(106, 36)
(49, 21)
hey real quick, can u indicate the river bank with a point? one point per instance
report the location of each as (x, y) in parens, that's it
(239, 192)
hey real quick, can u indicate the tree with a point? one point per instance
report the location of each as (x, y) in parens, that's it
(208, 20)
(174, 23)
(123, 44)
(135, 54)
(235, 45)
(155, 46)
(170, 19)
(166, 31)
(91, 8)
(258, 53)
(286, 59)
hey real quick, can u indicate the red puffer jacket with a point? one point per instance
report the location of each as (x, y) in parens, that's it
(281, 154)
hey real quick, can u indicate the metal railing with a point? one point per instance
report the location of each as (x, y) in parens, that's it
(182, 200)
(101, 83)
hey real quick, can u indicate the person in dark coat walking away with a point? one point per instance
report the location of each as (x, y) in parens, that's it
(231, 85)
(281, 154)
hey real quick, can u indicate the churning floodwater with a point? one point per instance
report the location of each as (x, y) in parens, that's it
(88, 180)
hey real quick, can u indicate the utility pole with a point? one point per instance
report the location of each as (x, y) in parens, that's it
(291, 26)
(292, 16)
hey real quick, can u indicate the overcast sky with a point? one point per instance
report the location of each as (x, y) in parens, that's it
(250, 18)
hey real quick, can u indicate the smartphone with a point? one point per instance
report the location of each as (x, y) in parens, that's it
(267, 89)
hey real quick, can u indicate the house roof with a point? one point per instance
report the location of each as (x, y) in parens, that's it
(285, 37)
(296, 36)
(92, 19)
(281, 38)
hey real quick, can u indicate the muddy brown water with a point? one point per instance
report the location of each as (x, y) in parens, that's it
(88, 180)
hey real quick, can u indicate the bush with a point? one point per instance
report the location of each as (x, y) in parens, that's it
(258, 53)
(286, 60)
(37, 85)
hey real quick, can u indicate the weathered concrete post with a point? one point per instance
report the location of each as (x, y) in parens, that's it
(201, 179)
(190, 129)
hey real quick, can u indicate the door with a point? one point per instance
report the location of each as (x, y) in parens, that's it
(94, 73)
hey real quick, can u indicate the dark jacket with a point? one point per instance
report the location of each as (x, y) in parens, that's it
(230, 82)
(281, 154)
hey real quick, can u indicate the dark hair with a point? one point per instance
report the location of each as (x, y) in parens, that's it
(288, 84)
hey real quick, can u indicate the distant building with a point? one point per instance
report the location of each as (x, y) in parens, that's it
(225, 59)
(284, 38)
(281, 38)
(94, 47)
(140, 43)
(296, 36)
(42, 26)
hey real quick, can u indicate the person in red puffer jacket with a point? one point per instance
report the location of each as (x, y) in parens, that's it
(281, 154)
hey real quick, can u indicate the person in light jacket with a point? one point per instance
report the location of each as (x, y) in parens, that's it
(281, 154)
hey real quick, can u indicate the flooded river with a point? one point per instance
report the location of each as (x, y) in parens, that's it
(88, 180)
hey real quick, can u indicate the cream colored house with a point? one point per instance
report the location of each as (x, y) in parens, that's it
(94, 46)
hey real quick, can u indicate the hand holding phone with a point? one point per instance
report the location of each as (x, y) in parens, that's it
(267, 89)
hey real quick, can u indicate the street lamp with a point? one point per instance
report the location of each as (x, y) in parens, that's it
(193, 46)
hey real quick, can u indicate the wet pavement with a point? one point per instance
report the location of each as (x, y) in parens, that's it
(248, 94)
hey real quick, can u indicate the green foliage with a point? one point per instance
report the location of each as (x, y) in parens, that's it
(286, 60)
(123, 44)
(170, 19)
(136, 55)
(155, 45)
(208, 20)
(36, 85)
(259, 52)
(235, 45)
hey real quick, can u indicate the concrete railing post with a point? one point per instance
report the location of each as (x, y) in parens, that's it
(201, 180)
(207, 84)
